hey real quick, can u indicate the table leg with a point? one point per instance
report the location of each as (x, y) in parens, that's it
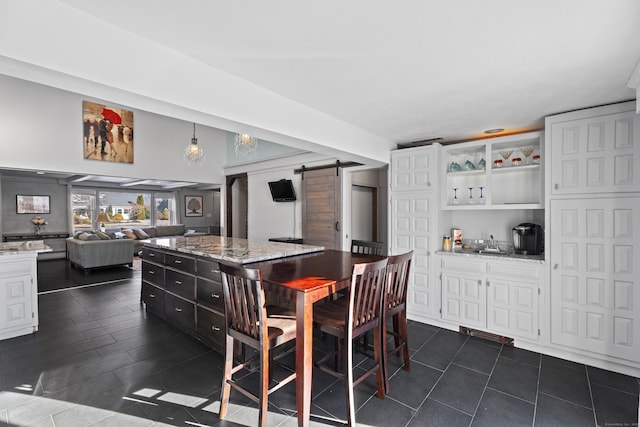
(304, 357)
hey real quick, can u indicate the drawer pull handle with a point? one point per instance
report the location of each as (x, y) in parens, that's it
(215, 328)
(178, 261)
(152, 254)
(178, 309)
(152, 295)
(178, 282)
(555, 266)
(479, 282)
(151, 272)
(215, 296)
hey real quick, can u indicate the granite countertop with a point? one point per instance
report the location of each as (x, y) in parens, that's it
(19, 248)
(232, 249)
(508, 256)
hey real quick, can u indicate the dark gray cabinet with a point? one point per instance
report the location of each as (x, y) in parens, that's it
(186, 291)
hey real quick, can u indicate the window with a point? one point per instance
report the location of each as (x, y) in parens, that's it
(93, 208)
(83, 205)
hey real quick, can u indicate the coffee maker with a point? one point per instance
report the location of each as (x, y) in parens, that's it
(528, 239)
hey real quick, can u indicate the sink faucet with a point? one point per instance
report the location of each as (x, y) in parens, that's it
(492, 244)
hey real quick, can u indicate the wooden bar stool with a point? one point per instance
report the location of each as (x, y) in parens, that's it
(351, 317)
(395, 308)
(252, 323)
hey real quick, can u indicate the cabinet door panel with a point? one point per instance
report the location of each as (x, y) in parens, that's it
(463, 299)
(512, 308)
(15, 302)
(595, 275)
(412, 169)
(412, 215)
(596, 155)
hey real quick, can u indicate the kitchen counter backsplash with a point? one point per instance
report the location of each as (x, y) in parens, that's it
(473, 247)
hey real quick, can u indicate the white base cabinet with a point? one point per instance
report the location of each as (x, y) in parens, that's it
(499, 297)
(18, 295)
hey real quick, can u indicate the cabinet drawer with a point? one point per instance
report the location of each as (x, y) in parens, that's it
(153, 298)
(179, 283)
(180, 262)
(515, 271)
(457, 264)
(180, 311)
(211, 325)
(210, 294)
(153, 273)
(152, 255)
(208, 269)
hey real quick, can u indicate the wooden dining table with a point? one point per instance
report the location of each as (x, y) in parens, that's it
(306, 279)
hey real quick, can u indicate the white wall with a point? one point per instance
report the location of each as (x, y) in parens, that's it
(273, 219)
(41, 129)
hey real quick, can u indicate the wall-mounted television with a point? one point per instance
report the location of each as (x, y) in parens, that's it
(282, 191)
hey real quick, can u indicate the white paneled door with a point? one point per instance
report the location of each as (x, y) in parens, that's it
(412, 214)
(595, 275)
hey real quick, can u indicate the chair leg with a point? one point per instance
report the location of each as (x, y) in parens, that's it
(226, 377)
(404, 334)
(385, 357)
(396, 329)
(347, 347)
(377, 355)
(265, 375)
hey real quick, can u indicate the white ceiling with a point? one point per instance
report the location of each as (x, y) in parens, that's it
(410, 70)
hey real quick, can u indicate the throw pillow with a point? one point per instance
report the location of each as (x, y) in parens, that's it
(87, 236)
(101, 235)
(140, 234)
(130, 234)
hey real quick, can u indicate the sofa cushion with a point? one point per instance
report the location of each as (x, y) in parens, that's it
(151, 231)
(102, 236)
(170, 230)
(87, 236)
(140, 234)
(130, 234)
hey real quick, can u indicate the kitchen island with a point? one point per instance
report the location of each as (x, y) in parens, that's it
(19, 287)
(181, 281)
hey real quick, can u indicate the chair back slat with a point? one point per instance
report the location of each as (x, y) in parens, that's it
(365, 303)
(244, 300)
(367, 247)
(398, 269)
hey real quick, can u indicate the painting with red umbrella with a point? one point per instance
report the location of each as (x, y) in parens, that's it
(107, 133)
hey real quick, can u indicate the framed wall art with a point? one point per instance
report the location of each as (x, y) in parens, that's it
(192, 205)
(32, 204)
(107, 133)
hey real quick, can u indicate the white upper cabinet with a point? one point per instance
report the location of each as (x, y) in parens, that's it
(412, 169)
(497, 173)
(599, 154)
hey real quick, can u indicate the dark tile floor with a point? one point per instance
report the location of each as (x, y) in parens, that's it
(99, 359)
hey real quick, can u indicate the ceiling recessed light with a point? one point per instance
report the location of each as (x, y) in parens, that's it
(496, 130)
(39, 173)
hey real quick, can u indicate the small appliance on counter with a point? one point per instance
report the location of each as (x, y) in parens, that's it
(456, 237)
(528, 239)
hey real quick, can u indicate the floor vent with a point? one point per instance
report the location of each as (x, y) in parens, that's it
(486, 336)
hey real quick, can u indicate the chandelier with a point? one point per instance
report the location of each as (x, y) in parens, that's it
(246, 145)
(193, 154)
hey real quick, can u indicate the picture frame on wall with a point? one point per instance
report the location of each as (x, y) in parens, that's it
(32, 204)
(107, 133)
(193, 206)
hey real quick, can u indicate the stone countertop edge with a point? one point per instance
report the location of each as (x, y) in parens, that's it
(21, 248)
(511, 257)
(226, 249)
